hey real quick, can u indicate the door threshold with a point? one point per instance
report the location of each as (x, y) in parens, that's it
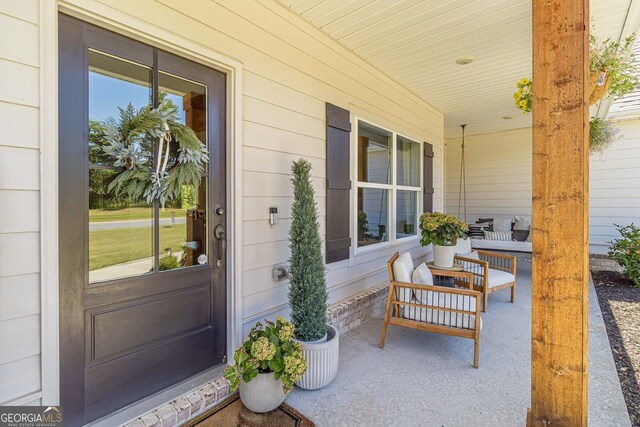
(141, 407)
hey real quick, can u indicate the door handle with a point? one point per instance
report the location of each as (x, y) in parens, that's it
(219, 234)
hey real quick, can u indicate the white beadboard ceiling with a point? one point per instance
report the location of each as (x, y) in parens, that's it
(416, 43)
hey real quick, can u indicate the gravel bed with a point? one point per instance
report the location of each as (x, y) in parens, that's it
(620, 305)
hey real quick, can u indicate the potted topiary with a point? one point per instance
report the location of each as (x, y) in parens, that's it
(266, 366)
(442, 230)
(308, 288)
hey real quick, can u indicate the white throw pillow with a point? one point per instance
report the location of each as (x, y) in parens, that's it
(402, 270)
(530, 233)
(505, 236)
(502, 224)
(463, 246)
(522, 223)
(473, 255)
(422, 275)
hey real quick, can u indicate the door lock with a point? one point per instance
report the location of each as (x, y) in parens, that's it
(219, 232)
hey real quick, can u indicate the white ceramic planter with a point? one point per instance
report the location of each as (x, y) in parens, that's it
(443, 256)
(262, 394)
(322, 361)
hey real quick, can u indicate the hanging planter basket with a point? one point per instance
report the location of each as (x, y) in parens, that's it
(599, 84)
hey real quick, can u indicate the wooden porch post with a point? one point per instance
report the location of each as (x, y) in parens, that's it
(560, 213)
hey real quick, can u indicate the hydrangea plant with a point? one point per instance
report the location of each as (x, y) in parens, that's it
(441, 229)
(270, 348)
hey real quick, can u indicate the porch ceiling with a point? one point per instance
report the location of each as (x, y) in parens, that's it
(416, 43)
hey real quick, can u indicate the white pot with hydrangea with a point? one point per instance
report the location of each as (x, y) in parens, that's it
(266, 366)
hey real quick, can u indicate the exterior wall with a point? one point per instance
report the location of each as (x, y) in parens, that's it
(498, 174)
(615, 187)
(19, 197)
(499, 180)
(290, 70)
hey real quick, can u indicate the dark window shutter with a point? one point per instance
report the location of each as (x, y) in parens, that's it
(427, 184)
(338, 183)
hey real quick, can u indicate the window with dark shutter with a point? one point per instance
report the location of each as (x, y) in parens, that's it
(427, 184)
(338, 183)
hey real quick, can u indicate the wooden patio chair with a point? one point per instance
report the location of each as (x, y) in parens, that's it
(433, 308)
(491, 272)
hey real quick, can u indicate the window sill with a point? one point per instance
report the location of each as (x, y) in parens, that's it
(381, 247)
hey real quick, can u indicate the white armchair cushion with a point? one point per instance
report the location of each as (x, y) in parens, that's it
(470, 266)
(402, 270)
(439, 317)
(422, 275)
(499, 277)
(463, 246)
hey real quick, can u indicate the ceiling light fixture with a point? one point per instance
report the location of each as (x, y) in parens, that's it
(465, 60)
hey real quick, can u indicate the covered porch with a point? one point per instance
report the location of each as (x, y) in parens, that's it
(421, 378)
(400, 70)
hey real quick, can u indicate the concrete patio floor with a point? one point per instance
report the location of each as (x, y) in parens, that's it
(426, 379)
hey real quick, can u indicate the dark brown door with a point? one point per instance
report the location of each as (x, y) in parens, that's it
(142, 286)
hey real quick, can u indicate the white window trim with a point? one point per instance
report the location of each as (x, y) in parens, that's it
(393, 187)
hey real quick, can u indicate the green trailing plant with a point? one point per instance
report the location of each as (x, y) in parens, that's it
(308, 288)
(270, 348)
(441, 229)
(614, 60)
(602, 133)
(625, 250)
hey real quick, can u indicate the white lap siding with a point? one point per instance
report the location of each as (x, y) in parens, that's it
(290, 70)
(20, 379)
(499, 180)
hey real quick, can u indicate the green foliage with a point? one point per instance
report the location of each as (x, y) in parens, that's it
(615, 59)
(189, 198)
(129, 143)
(168, 262)
(270, 348)
(626, 251)
(523, 97)
(308, 288)
(602, 133)
(363, 227)
(441, 229)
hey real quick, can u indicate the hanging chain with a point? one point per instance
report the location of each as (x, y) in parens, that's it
(462, 190)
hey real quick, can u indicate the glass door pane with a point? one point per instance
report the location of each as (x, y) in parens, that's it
(120, 229)
(183, 222)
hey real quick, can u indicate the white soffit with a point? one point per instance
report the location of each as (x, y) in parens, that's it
(416, 43)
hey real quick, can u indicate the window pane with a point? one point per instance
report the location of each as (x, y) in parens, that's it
(373, 208)
(406, 207)
(374, 154)
(183, 233)
(408, 155)
(120, 229)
